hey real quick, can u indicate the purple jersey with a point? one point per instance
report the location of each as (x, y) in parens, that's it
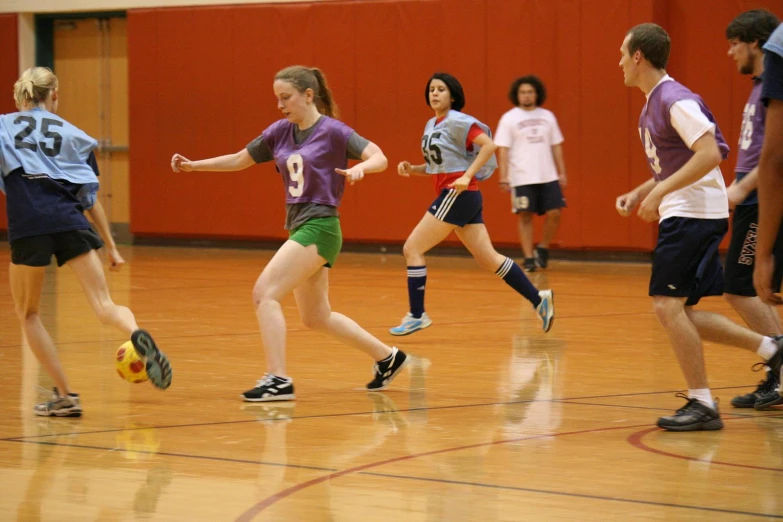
(752, 134)
(666, 151)
(308, 168)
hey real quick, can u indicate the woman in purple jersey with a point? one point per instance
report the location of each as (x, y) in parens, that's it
(311, 150)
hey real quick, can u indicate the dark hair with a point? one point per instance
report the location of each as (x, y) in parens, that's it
(654, 43)
(303, 78)
(752, 26)
(455, 89)
(534, 82)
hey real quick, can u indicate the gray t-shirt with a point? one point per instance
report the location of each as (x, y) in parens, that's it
(298, 214)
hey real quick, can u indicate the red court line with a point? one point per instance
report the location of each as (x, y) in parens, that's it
(635, 440)
(251, 513)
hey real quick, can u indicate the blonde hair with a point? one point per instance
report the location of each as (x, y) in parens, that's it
(303, 78)
(34, 87)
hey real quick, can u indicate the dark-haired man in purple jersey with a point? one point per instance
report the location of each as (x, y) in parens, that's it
(687, 196)
(747, 34)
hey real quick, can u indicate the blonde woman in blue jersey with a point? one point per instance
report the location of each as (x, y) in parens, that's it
(49, 175)
(458, 151)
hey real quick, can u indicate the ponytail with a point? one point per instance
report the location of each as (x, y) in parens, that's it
(34, 87)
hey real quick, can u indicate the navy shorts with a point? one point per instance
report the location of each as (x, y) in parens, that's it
(64, 246)
(686, 262)
(539, 198)
(738, 269)
(458, 209)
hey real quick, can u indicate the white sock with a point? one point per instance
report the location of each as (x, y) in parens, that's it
(767, 348)
(703, 395)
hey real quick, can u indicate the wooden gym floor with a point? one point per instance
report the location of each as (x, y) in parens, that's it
(494, 420)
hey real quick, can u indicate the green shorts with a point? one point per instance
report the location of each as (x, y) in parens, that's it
(324, 233)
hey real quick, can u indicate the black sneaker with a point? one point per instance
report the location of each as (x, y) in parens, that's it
(770, 384)
(775, 365)
(529, 265)
(385, 371)
(694, 416)
(271, 388)
(769, 399)
(542, 256)
(157, 364)
(69, 406)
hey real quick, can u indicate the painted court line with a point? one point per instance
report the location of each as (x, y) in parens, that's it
(572, 495)
(637, 440)
(258, 508)
(357, 414)
(180, 455)
(255, 510)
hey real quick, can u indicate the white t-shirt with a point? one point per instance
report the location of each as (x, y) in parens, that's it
(705, 198)
(529, 137)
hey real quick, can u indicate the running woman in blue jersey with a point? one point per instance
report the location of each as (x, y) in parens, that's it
(458, 151)
(49, 175)
(311, 150)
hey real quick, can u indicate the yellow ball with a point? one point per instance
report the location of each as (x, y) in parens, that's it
(129, 365)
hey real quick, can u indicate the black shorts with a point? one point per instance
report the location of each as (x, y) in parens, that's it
(539, 198)
(738, 268)
(686, 262)
(773, 77)
(64, 246)
(458, 209)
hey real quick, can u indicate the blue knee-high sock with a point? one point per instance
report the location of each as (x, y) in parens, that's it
(417, 279)
(514, 277)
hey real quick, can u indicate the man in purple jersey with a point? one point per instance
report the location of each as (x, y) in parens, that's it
(747, 34)
(687, 196)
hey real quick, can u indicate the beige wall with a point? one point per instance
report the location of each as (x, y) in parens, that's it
(94, 97)
(26, 37)
(59, 6)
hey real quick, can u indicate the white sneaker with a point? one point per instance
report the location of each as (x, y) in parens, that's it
(546, 309)
(69, 406)
(410, 324)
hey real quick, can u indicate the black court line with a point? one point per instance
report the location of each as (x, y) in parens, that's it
(361, 413)
(367, 327)
(349, 414)
(573, 402)
(573, 495)
(249, 421)
(408, 477)
(611, 396)
(652, 408)
(168, 454)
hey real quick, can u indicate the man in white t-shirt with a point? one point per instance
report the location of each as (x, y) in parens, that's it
(530, 157)
(687, 196)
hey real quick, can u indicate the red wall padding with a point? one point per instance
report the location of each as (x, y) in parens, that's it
(201, 85)
(9, 73)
